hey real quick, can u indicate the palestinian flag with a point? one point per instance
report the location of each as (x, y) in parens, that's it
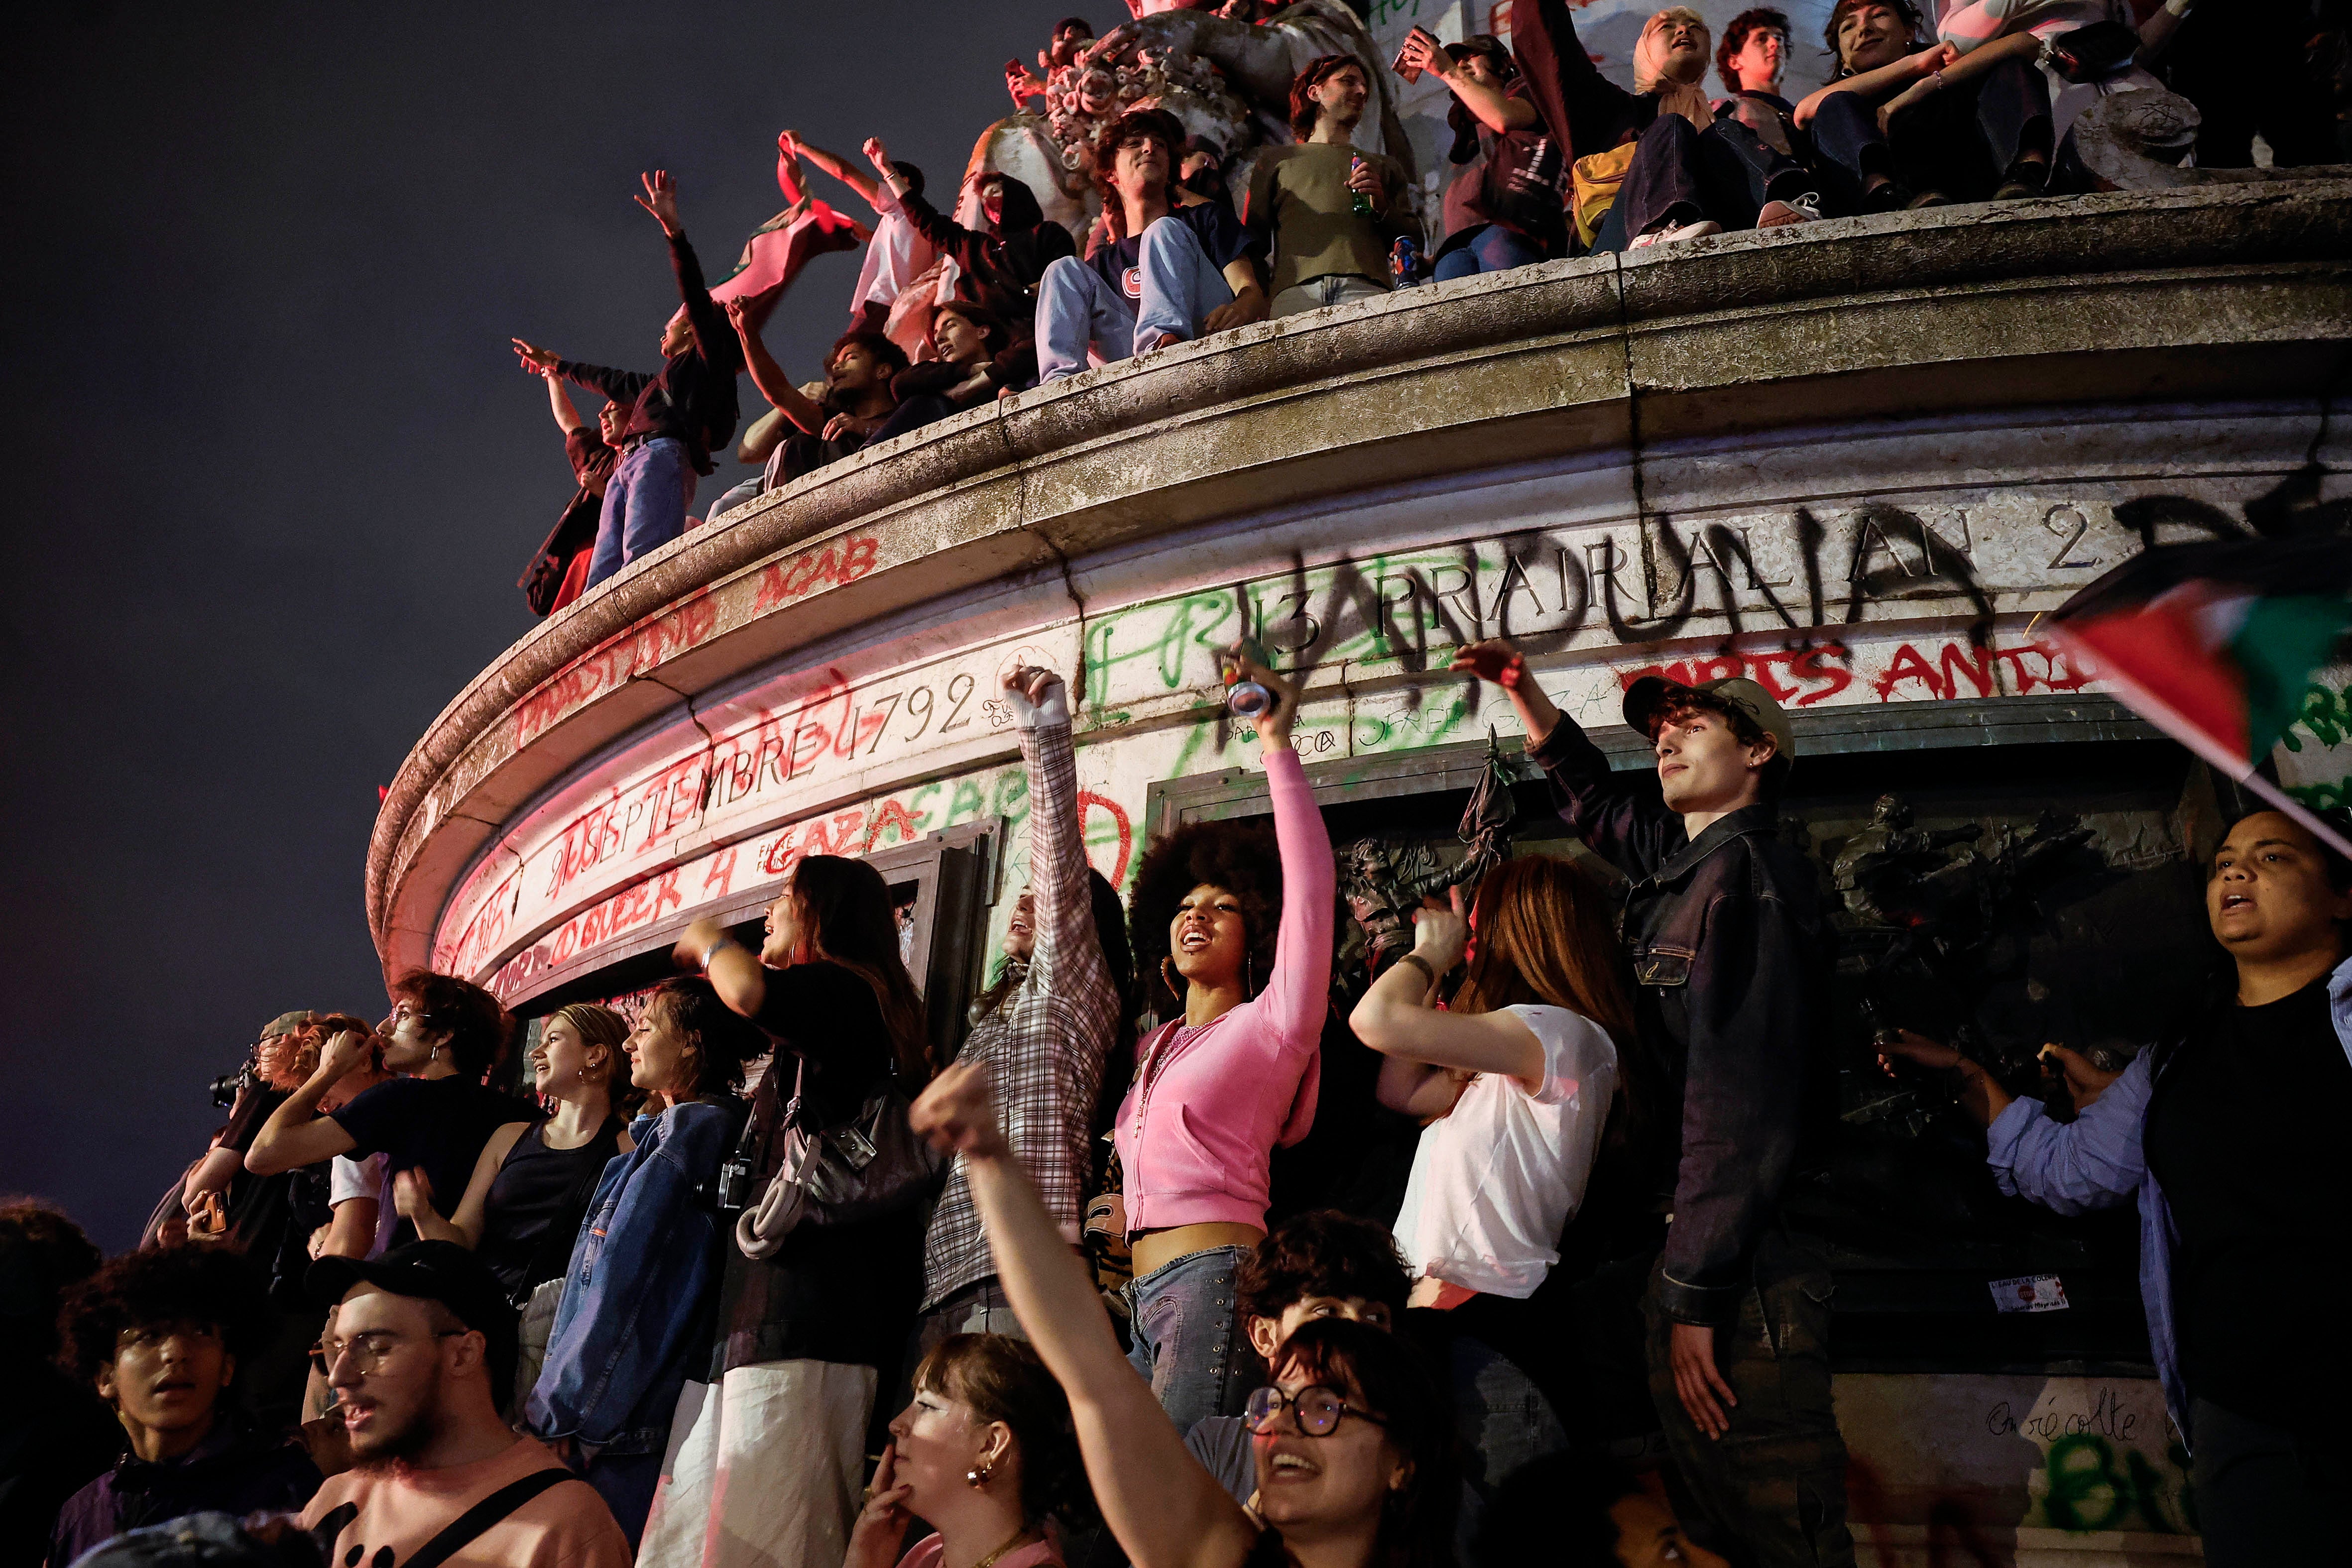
(2215, 643)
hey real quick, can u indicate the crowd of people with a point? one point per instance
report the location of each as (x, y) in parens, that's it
(1207, 1248)
(1550, 159)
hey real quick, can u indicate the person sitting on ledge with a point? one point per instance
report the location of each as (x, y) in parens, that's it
(2238, 1185)
(1905, 127)
(677, 414)
(855, 401)
(1504, 209)
(1185, 268)
(895, 257)
(977, 361)
(998, 264)
(1326, 212)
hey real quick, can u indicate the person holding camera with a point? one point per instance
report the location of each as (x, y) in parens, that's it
(812, 1310)
(634, 1323)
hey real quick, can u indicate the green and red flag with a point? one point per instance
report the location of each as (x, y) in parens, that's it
(2215, 643)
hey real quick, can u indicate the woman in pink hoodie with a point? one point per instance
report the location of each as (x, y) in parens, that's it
(1239, 933)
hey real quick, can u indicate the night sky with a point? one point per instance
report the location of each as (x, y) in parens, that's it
(273, 471)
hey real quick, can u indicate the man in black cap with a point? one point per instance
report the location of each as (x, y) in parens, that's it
(421, 1341)
(1730, 954)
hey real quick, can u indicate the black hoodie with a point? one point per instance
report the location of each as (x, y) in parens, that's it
(1000, 268)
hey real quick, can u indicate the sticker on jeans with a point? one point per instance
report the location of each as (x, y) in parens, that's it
(1133, 283)
(2033, 1293)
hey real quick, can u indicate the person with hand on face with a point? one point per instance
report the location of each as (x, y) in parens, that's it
(160, 1335)
(1730, 958)
(634, 1323)
(855, 402)
(677, 414)
(1902, 126)
(1320, 1264)
(1044, 1028)
(973, 361)
(1240, 939)
(984, 1455)
(532, 1183)
(423, 1345)
(811, 1317)
(446, 1034)
(2224, 1134)
(1353, 1443)
(1507, 208)
(1183, 267)
(1324, 212)
(1514, 1080)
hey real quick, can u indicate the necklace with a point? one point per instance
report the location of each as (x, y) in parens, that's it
(989, 1560)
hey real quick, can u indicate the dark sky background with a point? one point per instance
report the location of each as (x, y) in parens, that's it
(272, 471)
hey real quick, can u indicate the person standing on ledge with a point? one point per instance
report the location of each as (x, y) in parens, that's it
(1730, 955)
(677, 414)
(1326, 212)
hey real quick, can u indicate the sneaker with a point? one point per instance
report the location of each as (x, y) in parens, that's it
(1887, 196)
(1670, 233)
(2030, 180)
(1926, 199)
(1802, 208)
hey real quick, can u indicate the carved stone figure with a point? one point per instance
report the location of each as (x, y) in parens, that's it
(1223, 72)
(1385, 883)
(1892, 873)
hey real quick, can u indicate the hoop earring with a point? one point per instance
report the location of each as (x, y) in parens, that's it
(1249, 974)
(978, 1477)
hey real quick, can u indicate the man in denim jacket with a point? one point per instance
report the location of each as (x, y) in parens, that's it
(2227, 1138)
(1731, 952)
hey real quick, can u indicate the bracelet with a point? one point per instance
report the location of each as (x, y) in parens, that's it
(724, 941)
(2178, 7)
(1424, 965)
(1939, 78)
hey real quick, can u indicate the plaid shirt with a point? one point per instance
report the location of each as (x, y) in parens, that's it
(1044, 1045)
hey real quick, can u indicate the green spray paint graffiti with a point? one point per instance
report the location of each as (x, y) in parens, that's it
(2326, 718)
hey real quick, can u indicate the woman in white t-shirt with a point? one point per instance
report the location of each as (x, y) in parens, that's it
(1514, 1082)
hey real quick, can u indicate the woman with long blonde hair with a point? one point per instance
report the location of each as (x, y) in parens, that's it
(1516, 1081)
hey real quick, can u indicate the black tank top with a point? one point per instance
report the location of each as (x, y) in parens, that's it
(537, 1199)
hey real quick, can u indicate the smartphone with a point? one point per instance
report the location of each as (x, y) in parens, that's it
(1410, 73)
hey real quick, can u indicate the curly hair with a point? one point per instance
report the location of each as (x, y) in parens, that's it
(1383, 1373)
(724, 1039)
(1139, 125)
(1002, 1379)
(1244, 862)
(479, 1030)
(191, 1284)
(1736, 34)
(1322, 1253)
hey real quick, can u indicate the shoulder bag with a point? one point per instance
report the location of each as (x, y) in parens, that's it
(870, 1165)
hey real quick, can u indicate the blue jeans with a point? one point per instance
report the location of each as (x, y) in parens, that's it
(1505, 1419)
(1188, 1338)
(626, 1483)
(1493, 249)
(645, 505)
(1171, 289)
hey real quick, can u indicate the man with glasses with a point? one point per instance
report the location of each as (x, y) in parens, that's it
(422, 1340)
(159, 1334)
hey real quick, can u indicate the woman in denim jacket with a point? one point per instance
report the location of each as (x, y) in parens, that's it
(635, 1317)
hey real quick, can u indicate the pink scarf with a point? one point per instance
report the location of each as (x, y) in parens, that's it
(1687, 99)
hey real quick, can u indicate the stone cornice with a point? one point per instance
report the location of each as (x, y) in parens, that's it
(2225, 291)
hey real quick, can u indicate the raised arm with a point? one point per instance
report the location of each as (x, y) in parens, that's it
(733, 969)
(841, 168)
(1396, 1019)
(296, 1135)
(1165, 1510)
(567, 414)
(1496, 110)
(769, 376)
(1067, 956)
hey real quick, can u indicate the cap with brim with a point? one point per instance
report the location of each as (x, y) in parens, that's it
(439, 1271)
(1653, 695)
(285, 1023)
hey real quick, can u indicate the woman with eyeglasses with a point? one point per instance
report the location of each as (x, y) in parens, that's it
(983, 1454)
(634, 1322)
(1352, 1443)
(1239, 939)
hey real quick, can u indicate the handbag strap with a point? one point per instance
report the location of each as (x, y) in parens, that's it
(460, 1531)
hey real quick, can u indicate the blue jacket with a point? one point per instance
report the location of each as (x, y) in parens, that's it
(2095, 1162)
(637, 1310)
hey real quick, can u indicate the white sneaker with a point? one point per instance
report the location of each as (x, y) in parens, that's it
(1804, 208)
(1674, 234)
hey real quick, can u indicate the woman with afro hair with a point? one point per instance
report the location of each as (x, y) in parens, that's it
(1238, 933)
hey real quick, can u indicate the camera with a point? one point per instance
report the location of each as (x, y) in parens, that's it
(734, 1182)
(229, 1085)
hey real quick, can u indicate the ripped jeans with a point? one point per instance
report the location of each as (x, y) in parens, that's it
(1188, 1338)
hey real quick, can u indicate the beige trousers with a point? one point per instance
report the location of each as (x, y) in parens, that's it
(764, 1470)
